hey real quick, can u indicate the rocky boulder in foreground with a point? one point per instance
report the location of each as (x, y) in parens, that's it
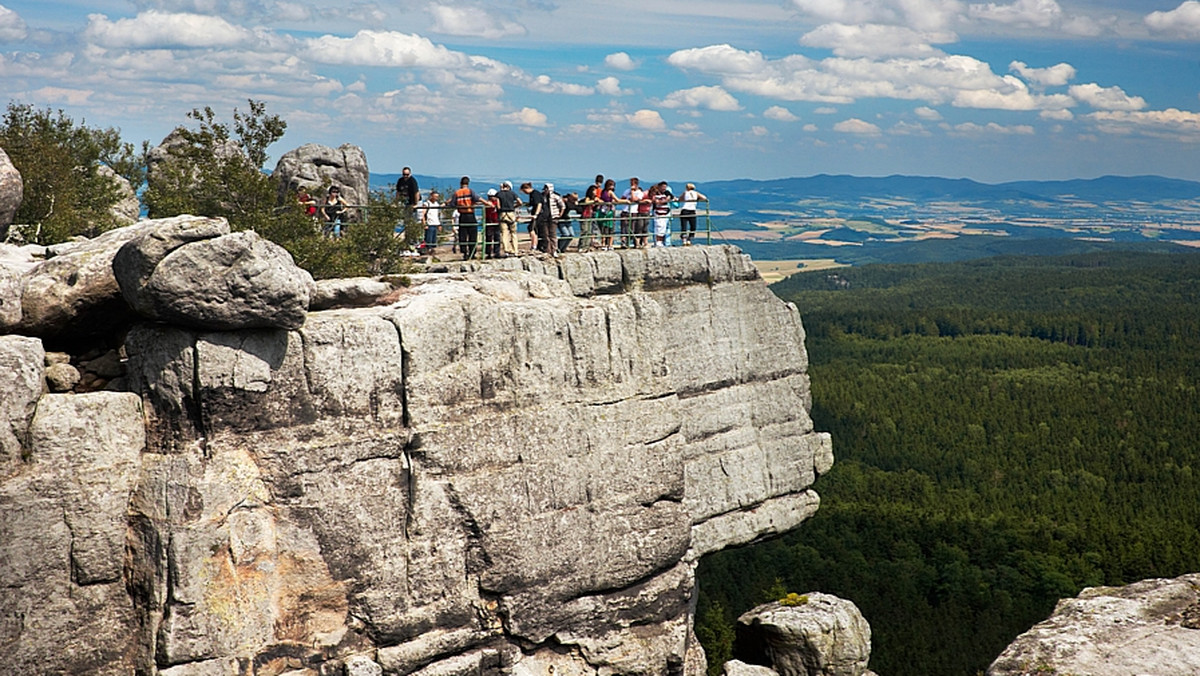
(1148, 627)
(813, 635)
(504, 470)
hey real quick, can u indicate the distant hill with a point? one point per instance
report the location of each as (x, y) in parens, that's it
(924, 188)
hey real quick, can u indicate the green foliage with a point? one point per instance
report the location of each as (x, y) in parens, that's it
(214, 170)
(714, 628)
(370, 246)
(65, 195)
(1008, 431)
(793, 600)
(208, 172)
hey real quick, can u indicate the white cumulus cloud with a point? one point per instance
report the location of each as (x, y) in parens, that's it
(973, 129)
(1171, 123)
(525, 117)
(609, 86)
(712, 98)
(154, 29)
(717, 59)
(1106, 98)
(1054, 76)
(620, 61)
(1183, 21)
(647, 119)
(472, 21)
(12, 26)
(927, 113)
(918, 14)
(1032, 13)
(856, 126)
(875, 40)
(780, 114)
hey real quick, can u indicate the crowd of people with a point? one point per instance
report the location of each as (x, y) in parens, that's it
(635, 218)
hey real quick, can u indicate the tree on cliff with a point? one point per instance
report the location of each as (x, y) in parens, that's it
(65, 192)
(216, 170)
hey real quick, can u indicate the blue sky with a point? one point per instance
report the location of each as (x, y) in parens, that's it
(697, 90)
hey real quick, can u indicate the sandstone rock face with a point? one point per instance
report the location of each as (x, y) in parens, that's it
(502, 471)
(63, 527)
(314, 167)
(14, 263)
(826, 636)
(22, 360)
(127, 209)
(12, 190)
(739, 668)
(1148, 627)
(163, 167)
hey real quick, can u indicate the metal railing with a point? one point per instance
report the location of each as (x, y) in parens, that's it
(621, 230)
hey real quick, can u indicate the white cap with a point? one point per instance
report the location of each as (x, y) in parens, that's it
(491, 192)
(549, 186)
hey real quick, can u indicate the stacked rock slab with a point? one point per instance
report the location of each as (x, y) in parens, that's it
(502, 471)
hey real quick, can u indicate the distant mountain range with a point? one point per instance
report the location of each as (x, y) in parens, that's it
(922, 188)
(925, 188)
(857, 219)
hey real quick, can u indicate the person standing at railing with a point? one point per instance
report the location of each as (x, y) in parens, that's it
(465, 200)
(431, 216)
(508, 202)
(491, 225)
(566, 228)
(587, 212)
(660, 200)
(334, 211)
(687, 213)
(407, 190)
(549, 211)
(635, 222)
(606, 212)
(535, 201)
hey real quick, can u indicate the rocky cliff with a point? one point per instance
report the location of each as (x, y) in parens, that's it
(486, 471)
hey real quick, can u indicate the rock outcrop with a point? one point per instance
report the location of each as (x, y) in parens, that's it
(1148, 627)
(193, 272)
(811, 635)
(500, 471)
(316, 167)
(185, 269)
(127, 208)
(12, 190)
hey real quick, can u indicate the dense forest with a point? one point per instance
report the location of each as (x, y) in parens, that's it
(1007, 431)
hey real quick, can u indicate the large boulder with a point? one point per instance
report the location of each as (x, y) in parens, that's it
(314, 167)
(1148, 627)
(73, 293)
(811, 635)
(135, 261)
(235, 281)
(11, 191)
